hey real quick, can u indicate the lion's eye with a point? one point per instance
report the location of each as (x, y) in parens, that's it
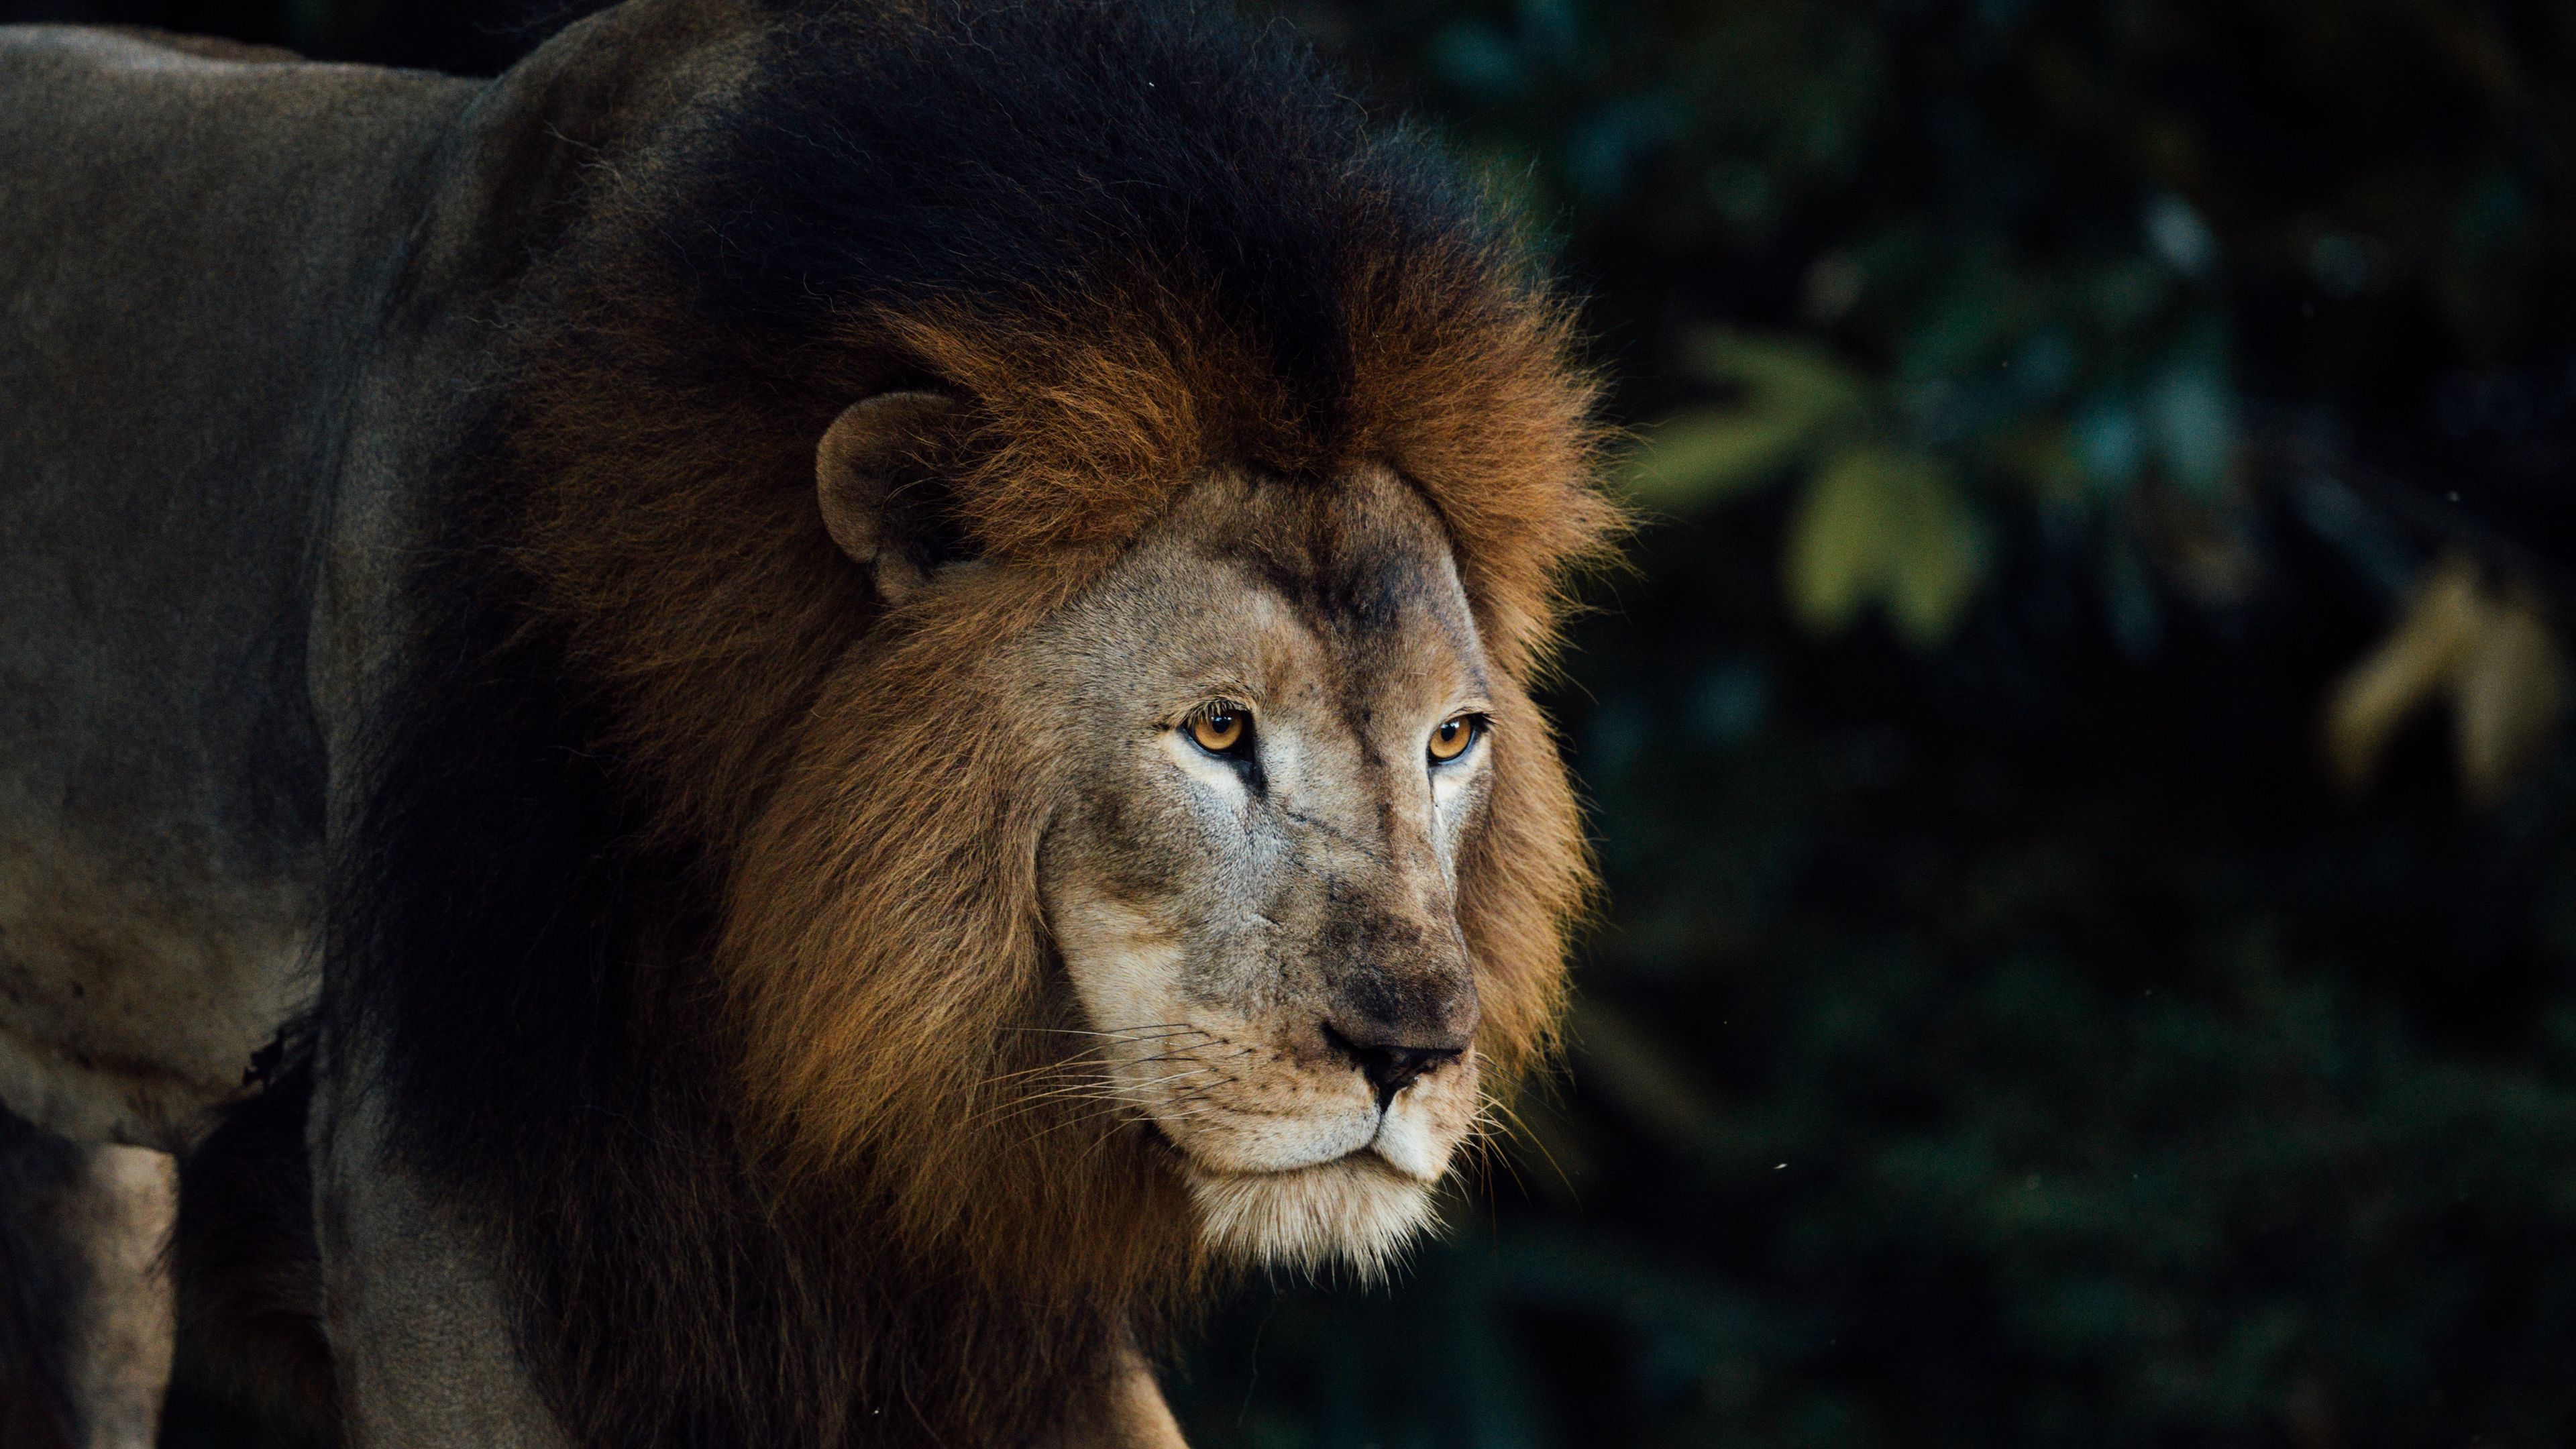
(1220, 729)
(1454, 735)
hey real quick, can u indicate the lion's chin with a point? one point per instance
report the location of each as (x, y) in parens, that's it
(1354, 1212)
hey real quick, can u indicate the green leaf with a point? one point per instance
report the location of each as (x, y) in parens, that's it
(1782, 374)
(1701, 459)
(1879, 525)
(1790, 398)
(1835, 544)
(1943, 560)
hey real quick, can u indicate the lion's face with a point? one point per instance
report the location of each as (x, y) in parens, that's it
(1273, 719)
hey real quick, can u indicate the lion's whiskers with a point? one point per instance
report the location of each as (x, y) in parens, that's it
(1498, 1123)
(1189, 1053)
(1092, 1054)
(1092, 1031)
(1111, 1092)
(1106, 1108)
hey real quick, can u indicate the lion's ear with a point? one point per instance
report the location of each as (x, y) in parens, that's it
(875, 446)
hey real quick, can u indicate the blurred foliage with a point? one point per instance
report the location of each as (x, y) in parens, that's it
(2493, 659)
(1877, 523)
(2092, 945)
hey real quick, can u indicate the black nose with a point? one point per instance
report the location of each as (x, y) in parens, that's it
(1390, 1066)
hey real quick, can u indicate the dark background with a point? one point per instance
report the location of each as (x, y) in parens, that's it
(2092, 865)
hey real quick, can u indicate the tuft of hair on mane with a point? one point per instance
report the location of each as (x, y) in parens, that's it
(749, 1029)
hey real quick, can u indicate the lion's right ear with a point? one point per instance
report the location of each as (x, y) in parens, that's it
(858, 468)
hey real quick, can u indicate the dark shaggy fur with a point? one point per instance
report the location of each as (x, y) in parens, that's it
(711, 1091)
(248, 1273)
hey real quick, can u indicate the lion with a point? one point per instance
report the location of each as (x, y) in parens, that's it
(769, 734)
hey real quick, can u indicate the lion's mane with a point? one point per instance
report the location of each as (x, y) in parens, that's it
(698, 938)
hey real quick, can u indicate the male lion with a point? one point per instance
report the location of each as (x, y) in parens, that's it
(757, 737)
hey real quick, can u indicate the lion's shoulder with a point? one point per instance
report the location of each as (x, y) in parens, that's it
(201, 47)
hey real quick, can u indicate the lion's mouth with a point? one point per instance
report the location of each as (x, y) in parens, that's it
(1399, 1155)
(1365, 1156)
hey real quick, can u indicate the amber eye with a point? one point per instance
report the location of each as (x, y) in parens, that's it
(1454, 735)
(1220, 728)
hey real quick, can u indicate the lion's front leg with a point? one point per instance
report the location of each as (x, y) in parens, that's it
(421, 1345)
(87, 1319)
(1138, 1417)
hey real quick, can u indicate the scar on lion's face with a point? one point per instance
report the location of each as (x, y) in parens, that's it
(1277, 741)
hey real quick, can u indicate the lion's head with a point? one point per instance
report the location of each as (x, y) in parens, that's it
(1234, 857)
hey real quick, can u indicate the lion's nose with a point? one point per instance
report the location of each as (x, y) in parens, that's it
(1392, 1066)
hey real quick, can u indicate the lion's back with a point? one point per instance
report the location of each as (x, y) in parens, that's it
(194, 244)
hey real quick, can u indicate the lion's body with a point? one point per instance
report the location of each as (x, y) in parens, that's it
(196, 273)
(453, 788)
(204, 415)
